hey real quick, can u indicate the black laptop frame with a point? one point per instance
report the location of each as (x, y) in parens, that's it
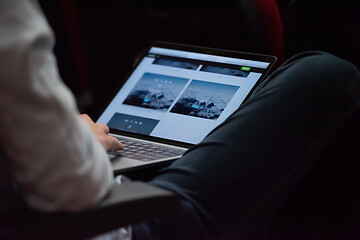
(196, 49)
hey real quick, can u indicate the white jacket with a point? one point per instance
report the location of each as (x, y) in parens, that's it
(52, 156)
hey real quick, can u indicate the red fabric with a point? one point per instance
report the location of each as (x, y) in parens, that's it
(76, 42)
(269, 13)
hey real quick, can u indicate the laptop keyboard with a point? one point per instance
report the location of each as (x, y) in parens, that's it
(144, 151)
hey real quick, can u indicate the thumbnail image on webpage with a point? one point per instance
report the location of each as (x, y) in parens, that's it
(156, 91)
(204, 99)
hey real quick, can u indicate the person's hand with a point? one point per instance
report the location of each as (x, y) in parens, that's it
(101, 132)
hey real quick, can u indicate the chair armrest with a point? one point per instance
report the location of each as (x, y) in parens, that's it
(126, 204)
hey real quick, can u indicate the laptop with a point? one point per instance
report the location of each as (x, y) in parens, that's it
(174, 97)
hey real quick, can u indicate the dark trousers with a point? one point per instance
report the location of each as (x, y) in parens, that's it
(233, 181)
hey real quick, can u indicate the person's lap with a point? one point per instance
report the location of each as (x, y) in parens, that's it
(232, 182)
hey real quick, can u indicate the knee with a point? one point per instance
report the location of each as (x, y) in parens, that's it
(331, 68)
(325, 72)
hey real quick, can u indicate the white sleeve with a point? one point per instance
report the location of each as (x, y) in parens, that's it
(53, 156)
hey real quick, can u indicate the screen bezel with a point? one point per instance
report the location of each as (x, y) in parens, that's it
(191, 48)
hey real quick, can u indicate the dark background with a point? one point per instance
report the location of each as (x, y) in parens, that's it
(98, 41)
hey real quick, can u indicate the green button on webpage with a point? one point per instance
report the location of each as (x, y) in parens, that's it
(246, 68)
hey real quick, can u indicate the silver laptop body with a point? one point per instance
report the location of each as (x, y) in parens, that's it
(175, 96)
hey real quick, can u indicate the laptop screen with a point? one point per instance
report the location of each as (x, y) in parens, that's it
(181, 95)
